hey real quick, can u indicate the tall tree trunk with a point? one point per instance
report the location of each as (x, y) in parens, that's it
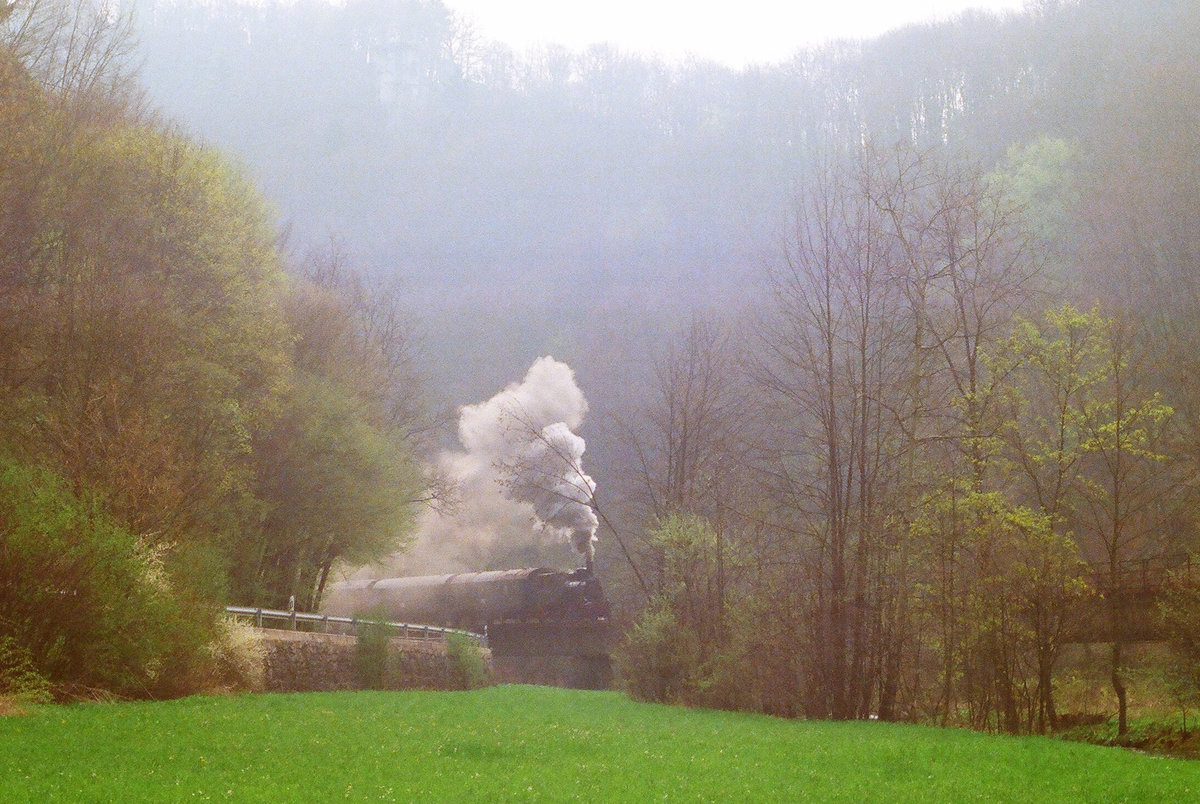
(1117, 622)
(1047, 718)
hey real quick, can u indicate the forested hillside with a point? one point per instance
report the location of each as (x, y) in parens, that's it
(889, 349)
(575, 183)
(183, 422)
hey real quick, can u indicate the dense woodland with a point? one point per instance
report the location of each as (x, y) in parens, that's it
(889, 348)
(186, 416)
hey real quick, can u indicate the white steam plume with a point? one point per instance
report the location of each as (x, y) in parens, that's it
(519, 478)
(548, 473)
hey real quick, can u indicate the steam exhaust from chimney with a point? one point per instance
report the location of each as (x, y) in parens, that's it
(520, 464)
(540, 462)
(546, 471)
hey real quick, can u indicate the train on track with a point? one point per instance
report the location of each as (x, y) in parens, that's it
(543, 626)
(473, 600)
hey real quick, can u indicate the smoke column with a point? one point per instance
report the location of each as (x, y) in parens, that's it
(549, 475)
(526, 432)
(519, 477)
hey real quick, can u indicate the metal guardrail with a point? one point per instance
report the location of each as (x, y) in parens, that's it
(291, 620)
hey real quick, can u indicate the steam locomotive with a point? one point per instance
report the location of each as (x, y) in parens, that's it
(544, 626)
(473, 600)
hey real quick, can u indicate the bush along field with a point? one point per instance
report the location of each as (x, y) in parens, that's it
(527, 743)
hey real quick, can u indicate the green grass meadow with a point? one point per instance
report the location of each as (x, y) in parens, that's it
(531, 743)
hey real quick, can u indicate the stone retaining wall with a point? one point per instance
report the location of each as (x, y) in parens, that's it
(297, 661)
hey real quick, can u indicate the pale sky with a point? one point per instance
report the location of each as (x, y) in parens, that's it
(734, 32)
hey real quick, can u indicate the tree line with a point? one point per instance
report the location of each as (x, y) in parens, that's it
(190, 414)
(868, 488)
(889, 492)
(604, 182)
(487, 153)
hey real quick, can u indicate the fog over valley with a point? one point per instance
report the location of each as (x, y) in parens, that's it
(539, 194)
(856, 382)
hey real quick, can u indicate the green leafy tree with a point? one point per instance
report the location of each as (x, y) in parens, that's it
(142, 351)
(687, 645)
(1124, 484)
(1042, 179)
(241, 428)
(1084, 440)
(1053, 372)
(91, 605)
(153, 338)
(336, 471)
(1016, 576)
(336, 489)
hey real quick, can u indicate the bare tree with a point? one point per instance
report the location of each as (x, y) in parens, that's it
(690, 444)
(378, 338)
(965, 271)
(903, 269)
(832, 361)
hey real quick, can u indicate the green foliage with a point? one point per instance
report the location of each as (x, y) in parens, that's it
(1163, 734)
(153, 340)
(372, 654)
(1072, 398)
(532, 743)
(665, 652)
(144, 347)
(467, 662)
(92, 605)
(336, 471)
(1053, 372)
(19, 678)
(140, 347)
(335, 486)
(1071, 459)
(150, 358)
(690, 643)
(659, 658)
(1041, 178)
(379, 663)
(998, 585)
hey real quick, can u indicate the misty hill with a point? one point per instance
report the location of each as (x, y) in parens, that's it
(535, 201)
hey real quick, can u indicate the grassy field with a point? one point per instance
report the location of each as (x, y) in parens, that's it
(528, 743)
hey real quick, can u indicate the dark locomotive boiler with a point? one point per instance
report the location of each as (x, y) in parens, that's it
(544, 626)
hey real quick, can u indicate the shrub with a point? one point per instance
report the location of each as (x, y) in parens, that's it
(93, 608)
(468, 662)
(19, 679)
(372, 654)
(680, 649)
(660, 658)
(238, 657)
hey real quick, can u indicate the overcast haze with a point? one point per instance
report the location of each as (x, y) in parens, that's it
(735, 33)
